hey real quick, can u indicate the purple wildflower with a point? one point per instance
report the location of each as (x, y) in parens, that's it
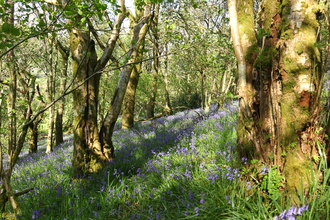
(36, 214)
(196, 211)
(228, 199)
(213, 177)
(291, 213)
(244, 160)
(264, 170)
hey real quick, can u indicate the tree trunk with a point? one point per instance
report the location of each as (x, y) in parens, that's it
(140, 30)
(60, 107)
(156, 64)
(12, 143)
(84, 103)
(243, 37)
(88, 154)
(203, 91)
(33, 145)
(280, 103)
(168, 107)
(51, 94)
(50, 136)
(129, 100)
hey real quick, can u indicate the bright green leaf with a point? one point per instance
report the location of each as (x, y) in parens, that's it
(83, 20)
(80, 12)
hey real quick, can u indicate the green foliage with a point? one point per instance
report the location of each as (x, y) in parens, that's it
(272, 181)
(7, 34)
(188, 100)
(231, 96)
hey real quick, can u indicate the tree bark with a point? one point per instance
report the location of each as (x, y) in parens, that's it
(168, 106)
(89, 154)
(241, 21)
(84, 102)
(156, 64)
(203, 90)
(60, 107)
(129, 100)
(279, 101)
(50, 135)
(12, 143)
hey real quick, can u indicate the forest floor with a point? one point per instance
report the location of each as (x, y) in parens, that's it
(178, 167)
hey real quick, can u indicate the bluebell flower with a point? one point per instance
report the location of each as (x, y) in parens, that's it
(196, 211)
(264, 170)
(36, 214)
(228, 199)
(291, 213)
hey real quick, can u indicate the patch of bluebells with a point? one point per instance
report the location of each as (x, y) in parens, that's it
(291, 213)
(231, 173)
(155, 143)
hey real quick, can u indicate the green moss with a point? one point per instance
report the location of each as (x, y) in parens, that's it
(246, 20)
(95, 165)
(250, 52)
(287, 34)
(294, 119)
(245, 146)
(285, 3)
(310, 15)
(296, 172)
(270, 10)
(299, 48)
(264, 59)
(288, 130)
(290, 65)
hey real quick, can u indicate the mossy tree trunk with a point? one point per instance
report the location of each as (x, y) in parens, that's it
(156, 64)
(140, 30)
(278, 116)
(6, 172)
(85, 102)
(89, 152)
(60, 107)
(129, 100)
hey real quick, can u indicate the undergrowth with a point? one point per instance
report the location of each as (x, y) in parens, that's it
(179, 167)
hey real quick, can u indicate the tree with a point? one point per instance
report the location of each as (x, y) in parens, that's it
(140, 29)
(279, 84)
(129, 99)
(60, 108)
(89, 151)
(199, 34)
